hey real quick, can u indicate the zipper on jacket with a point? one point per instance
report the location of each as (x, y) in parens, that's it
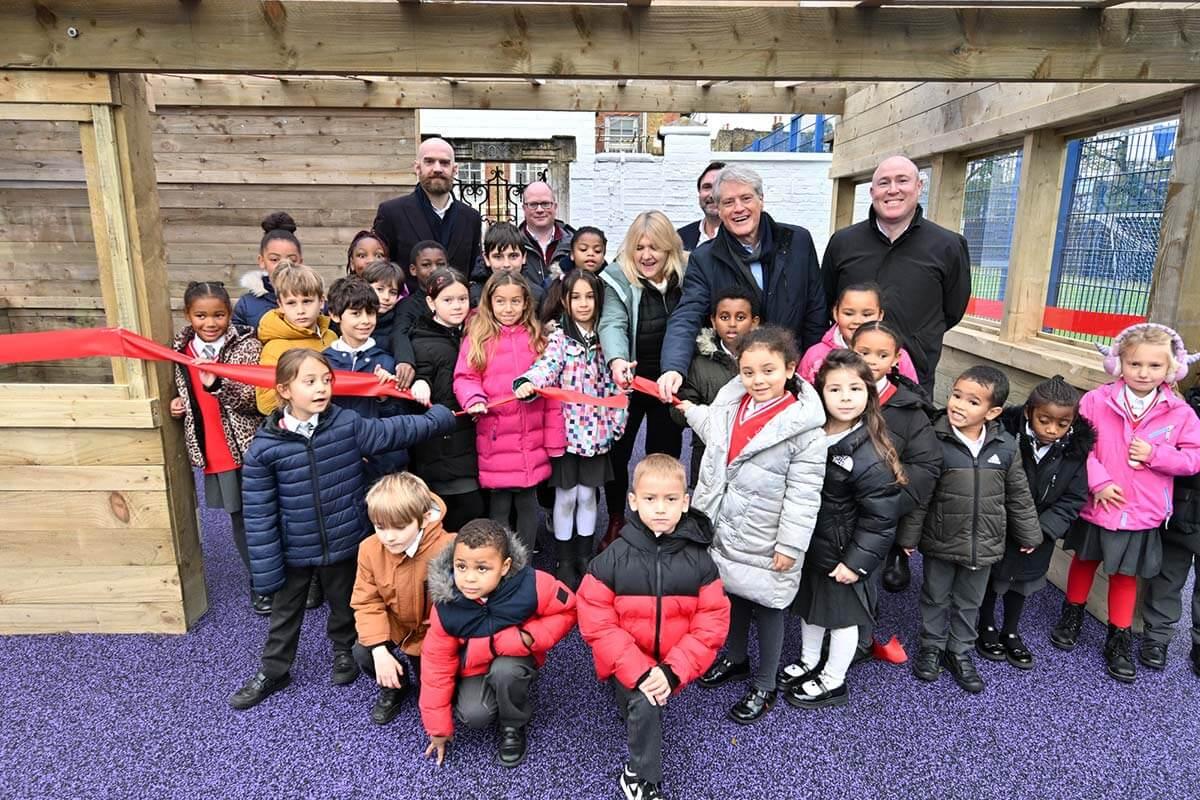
(316, 479)
(975, 512)
(657, 601)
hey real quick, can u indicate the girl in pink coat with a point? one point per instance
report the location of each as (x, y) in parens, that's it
(857, 303)
(515, 440)
(1145, 436)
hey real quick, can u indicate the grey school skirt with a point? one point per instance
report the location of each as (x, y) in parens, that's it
(1123, 552)
(224, 490)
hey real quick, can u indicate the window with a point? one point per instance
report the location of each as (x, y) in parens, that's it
(470, 172)
(1114, 190)
(621, 134)
(989, 214)
(525, 174)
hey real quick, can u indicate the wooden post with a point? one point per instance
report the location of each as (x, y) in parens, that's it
(1176, 287)
(948, 177)
(842, 213)
(1040, 192)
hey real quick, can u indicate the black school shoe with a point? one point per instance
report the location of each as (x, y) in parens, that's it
(828, 698)
(1015, 651)
(791, 676)
(257, 689)
(1153, 655)
(723, 671)
(513, 746)
(345, 669)
(387, 705)
(261, 603)
(928, 664)
(987, 643)
(963, 669)
(1118, 654)
(753, 706)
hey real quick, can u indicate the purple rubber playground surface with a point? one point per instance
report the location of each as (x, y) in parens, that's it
(146, 716)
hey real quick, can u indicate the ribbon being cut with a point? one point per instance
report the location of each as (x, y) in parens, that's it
(16, 348)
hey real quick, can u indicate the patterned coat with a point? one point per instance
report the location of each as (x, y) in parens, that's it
(239, 414)
(568, 363)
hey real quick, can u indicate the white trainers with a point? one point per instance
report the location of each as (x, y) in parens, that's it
(635, 788)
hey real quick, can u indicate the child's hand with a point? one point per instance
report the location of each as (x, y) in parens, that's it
(208, 379)
(622, 371)
(525, 391)
(477, 410)
(389, 672)
(843, 574)
(420, 392)
(437, 744)
(384, 376)
(404, 376)
(656, 687)
(1110, 497)
(684, 405)
(908, 551)
(1139, 450)
(178, 407)
(782, 563)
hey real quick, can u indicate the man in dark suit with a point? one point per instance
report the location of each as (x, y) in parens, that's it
(431, 213)
(705, 228)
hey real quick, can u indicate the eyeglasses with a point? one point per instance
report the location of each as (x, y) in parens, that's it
(540, 204)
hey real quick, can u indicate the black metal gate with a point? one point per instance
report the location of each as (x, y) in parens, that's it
(497, 199)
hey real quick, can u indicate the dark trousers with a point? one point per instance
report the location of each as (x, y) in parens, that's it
(462, 508)
(287, 613)
(500, 695)
(662, 436)
(1162, 596)
(504, 501)
(643, 727)
(955, 591)
(238, 523)
(771, 622)
(365, 659)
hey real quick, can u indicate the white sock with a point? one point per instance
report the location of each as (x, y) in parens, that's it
(842, 644)
(587, 509)
(811, 639)
(564, 514)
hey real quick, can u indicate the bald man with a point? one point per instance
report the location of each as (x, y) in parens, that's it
(430, 212)
(923, 268)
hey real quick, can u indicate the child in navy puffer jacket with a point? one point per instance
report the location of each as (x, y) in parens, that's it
(303, 497)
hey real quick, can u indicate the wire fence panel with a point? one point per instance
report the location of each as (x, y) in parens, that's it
(989, 215)
(1113, 197)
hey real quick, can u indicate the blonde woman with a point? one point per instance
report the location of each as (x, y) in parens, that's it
(640, 296)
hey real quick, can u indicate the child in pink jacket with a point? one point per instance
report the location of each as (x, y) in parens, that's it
(856, 304)
(1145, 436)
(515, 440)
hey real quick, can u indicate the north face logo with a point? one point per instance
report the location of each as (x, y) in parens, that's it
(995, 459)
(845, 462)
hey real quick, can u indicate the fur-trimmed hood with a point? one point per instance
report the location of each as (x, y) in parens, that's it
(441, 570)
(1079, 439)
(256, 282)
(706, 343)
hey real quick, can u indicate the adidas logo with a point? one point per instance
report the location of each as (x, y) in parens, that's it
(994, 459)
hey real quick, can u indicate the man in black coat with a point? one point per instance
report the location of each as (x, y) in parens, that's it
(776, 262)
(923, 268)
(697, 233)
(431, 213)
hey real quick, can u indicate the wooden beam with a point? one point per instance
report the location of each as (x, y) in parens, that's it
(948, 177)
(51, 112)
(41, 86)
(682, 96)
(1038, 197)
(599, 41)
(1175, 292)
(842, 204)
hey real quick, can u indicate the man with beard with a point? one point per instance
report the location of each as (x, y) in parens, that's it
(705, 228)
(431, 213)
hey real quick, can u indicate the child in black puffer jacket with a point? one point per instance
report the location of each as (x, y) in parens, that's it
(304, 501)
(1162, 597)
(1054, 441)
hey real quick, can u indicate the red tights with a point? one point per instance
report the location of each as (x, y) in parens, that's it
(1122, 590)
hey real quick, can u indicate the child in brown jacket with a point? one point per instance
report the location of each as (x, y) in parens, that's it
(390, 602)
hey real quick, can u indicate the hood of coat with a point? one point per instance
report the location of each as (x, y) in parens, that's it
(256, 283)
(184, 337)
(909, 394)
(274, 326)
(709, 345)
(801, 416)
(1077, 443)
(441, 570)
(694, 526)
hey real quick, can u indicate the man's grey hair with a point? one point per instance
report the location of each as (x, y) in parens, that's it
(736, 173)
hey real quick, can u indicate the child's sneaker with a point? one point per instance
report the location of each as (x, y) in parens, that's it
(636, 788)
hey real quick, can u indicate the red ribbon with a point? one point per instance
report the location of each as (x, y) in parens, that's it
(16, 348)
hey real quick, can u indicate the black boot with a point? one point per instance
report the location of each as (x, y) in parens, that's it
(583, 554)
(315, 595)
(513, 746)
(1066, 633)
(566, 572)
(1118, 654)
(896, 574)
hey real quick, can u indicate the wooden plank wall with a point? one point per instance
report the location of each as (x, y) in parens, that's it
(220, 171)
